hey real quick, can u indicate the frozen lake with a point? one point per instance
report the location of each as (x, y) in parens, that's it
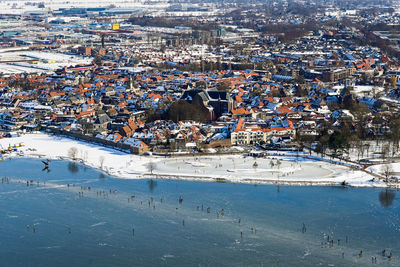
(107, 226)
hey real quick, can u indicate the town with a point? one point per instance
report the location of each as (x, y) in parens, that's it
(168, 78)
(200, 132)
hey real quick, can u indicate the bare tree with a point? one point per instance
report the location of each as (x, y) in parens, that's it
(151, 166)
(72, 153)
(367, 148)
(278, 163)
(360, 148)
(385, 149)
(101, 160)
(387, 171)
(255, 165)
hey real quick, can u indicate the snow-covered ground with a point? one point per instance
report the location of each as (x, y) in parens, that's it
(24, 6)
(43, 61)
(367, 90)
(235, 168)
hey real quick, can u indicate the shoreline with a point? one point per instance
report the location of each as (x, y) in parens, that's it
(205, 178)
(120, 165)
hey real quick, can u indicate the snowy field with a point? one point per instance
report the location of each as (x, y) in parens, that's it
(233, 168)
(43, 61)
(23, 6)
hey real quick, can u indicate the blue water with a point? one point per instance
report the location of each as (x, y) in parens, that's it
(153, 228)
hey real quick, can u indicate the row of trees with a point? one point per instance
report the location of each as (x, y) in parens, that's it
(73, 154)
(272, 164)
(172, 22)
(341, 140)
(290, 32)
